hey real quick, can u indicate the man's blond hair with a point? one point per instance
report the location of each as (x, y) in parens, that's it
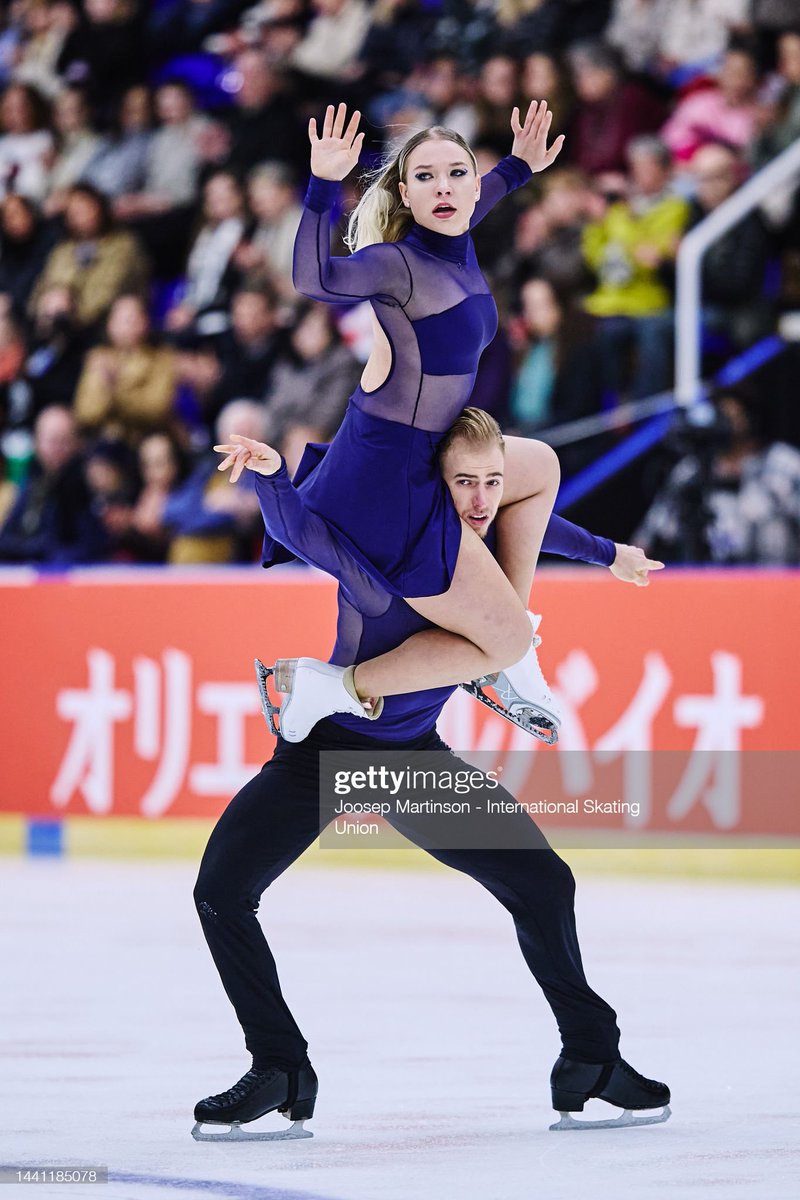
(475, 427)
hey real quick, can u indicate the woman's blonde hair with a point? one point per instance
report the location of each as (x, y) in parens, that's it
(380, 215)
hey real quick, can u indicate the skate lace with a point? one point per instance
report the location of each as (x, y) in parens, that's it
(254, 1078)
(652, 1084)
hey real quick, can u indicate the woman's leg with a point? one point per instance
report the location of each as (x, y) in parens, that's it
(482, 627)
(481, 619)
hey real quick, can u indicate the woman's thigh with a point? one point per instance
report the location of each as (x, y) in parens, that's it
(531, 468)
(480, 603)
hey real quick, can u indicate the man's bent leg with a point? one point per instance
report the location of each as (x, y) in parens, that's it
(538, 890)
(266, 826)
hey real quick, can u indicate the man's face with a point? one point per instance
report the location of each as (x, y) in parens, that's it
(474, 478)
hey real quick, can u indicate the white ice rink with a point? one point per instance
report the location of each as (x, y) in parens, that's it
(432, 1043)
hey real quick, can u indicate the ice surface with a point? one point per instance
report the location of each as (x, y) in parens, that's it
(432, 1043)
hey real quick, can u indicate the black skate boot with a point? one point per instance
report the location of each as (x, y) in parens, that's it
(573, 1083)
(293, 1093)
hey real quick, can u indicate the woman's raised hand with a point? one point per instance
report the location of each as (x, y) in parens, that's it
(530, 138)
(334, 155)
(255, 456)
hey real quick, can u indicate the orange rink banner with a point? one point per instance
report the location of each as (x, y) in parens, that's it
(131, 694)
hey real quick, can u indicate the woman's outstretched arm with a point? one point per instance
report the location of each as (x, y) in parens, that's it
(529, 154)
(378, 271)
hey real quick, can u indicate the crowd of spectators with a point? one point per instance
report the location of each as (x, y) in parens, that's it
(153, 158)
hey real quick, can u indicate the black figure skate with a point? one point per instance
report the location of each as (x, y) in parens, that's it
(573, 1083)
(291, 1093)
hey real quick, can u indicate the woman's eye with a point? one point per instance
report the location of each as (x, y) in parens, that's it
(423, 175)
(458, 171)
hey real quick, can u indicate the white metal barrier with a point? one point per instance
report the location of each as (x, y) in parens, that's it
(688, 385)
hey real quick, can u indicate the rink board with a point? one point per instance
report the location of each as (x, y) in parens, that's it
(131, 714)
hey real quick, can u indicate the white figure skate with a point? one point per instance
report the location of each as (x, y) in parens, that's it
(526, 698)
(314, 690)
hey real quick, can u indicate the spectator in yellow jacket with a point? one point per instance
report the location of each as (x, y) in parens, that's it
(96, 261)
(127, 386)
(631, 250)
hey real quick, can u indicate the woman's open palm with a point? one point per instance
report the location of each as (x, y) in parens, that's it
(334, 155)
(530, 137)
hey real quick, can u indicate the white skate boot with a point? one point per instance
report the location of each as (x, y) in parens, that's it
(315, 690)
(526, 698)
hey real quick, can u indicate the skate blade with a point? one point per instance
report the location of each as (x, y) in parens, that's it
(533, 722)
(270, 710)
(625, 1120)
(233, 1132)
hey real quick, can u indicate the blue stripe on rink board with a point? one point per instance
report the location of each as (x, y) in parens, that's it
(216, 1187)
(44, 837)
(603, 468)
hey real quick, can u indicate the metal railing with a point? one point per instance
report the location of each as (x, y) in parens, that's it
(688, 303)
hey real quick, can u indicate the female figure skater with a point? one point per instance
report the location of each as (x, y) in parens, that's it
(378, 488)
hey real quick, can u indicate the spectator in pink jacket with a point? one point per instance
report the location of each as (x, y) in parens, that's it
(724, 113)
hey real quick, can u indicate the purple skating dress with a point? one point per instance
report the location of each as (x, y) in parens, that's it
(378, 487)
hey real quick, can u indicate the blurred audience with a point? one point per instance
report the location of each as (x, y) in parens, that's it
(558, 378)
(239, 363)
(51, 521)
(211, 520)
(153, 159)
(734, 498)
(120, 164)
(208, 268)
(724, 113)
(77, 144)
(56, 348)
(127, 385)
(96, 261)
(268, 247)
(733, 267)
(26, 142)
(310, 387)
(25, 243)
(136, 525)
(631, 250)
(609, 110)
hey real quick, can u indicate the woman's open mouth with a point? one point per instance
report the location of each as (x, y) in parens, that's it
(444, 211)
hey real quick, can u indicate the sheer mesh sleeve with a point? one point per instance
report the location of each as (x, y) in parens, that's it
(378, 271)
(510, 173)
(573, 541)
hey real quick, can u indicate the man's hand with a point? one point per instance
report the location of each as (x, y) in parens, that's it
(334, 155)
(632, 565)
(530, 139)
(255, 456)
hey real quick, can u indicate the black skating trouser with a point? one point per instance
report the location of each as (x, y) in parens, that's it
(276, 816)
